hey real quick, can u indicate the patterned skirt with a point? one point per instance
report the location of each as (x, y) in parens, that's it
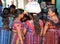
(51, 37)
(32, 38)
(58, 31)
(15, 39)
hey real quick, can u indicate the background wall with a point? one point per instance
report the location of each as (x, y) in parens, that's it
(58, 5)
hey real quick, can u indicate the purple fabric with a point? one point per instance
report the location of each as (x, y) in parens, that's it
(17, 22)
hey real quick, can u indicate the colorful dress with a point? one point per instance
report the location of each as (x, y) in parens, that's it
(4, 33)
(14, 37)
(51, 36)
(58, 32)
(31, 37)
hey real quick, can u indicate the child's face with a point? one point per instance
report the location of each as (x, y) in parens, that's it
(21, 15)
(50, 12)
(12, 9)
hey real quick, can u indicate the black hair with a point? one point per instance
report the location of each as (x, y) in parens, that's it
(1, 3)
(25, 18)
(17, 12)
(13, 6)
(31, 15)
(5, 12)
(54, 10)
(35, 19)
(5, 18)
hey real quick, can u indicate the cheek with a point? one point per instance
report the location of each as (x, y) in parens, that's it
(22, 15)
(49, 13)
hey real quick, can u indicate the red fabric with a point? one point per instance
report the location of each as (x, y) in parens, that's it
(32, 26)
(17, 24)
(31, 37)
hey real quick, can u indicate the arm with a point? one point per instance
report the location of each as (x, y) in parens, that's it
(41, 26)
(24, 31)
(19, 32)
(45, 28)
(41, 33)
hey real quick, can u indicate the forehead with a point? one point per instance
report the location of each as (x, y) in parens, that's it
(49, 9)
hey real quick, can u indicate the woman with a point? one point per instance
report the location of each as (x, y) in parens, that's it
(33, 35)
(18, 29)
(5, 32)
(51, 27)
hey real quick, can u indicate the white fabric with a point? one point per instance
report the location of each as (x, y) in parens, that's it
(33, 7)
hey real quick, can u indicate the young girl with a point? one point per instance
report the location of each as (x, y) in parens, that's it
(5, 32)
(18, 29)
(51, 27)
(33, 35)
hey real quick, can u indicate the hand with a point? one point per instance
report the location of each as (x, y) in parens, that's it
(41, 34)
(44, 33)
(22, 42)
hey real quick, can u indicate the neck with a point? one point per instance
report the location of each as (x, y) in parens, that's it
(51, 15)
(17, 19)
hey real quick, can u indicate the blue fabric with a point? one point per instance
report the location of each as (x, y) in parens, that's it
(0, 9)
(5, 33)
(10, 20)
(27, 28)
(1, 24)
(5, 36)
(31, 38)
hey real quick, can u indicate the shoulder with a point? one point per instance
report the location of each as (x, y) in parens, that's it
(48, 23)
(40, 21)
(28, 21)
(15, 24)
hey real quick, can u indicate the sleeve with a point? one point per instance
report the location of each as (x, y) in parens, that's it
(15, 25)
(30, 25)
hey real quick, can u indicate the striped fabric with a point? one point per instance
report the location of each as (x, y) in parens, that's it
(31, 37)
(15, 39)
(4, 33)
(51, 37)
(5, 36)
(14, 36)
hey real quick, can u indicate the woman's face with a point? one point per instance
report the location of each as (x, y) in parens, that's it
(50, 12)
(12, 9)
(21, 15)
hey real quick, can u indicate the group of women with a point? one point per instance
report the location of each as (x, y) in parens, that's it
(25, 32)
